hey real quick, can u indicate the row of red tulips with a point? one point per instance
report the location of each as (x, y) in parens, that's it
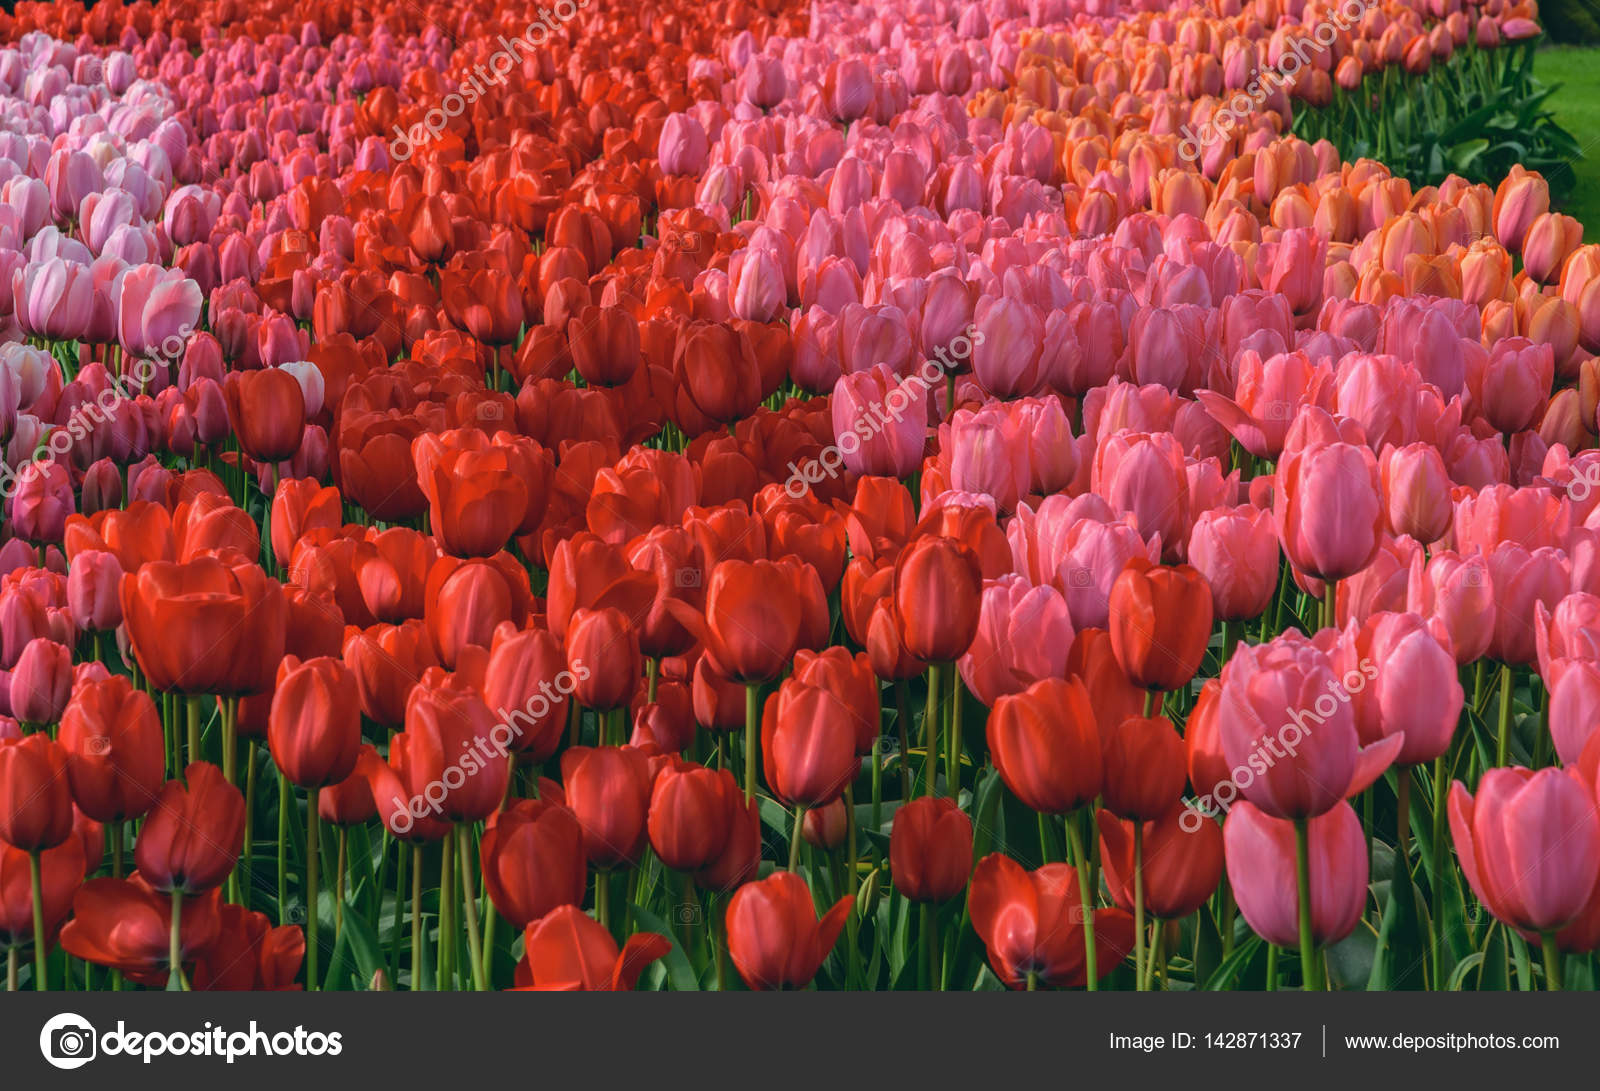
(685, 489)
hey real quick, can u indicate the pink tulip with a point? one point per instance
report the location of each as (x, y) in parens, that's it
(1328, 509)
(1262, 869)
(1236, 550)
(1529, 844)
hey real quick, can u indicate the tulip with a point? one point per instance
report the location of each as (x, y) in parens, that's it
(808, 747)
(603, 655)
(608, 790)
(115, 757)
(930, 850)
(128, 925)
(1144, 768)
(35, 793)
(193, 836)
(937, 598)
(1289, 732)
(1182, 862)
(61, 871)
(569, 950)
(1328, 856)
(1528, 844)
(41, 682)
(1160, 623)
(1024, 634)
(204, 628)
(457, 751)
(315, 723)
(1416, 491)
(1236, 550)
(1045, 744)
(1328, 509)
(692, 811)
(1027, 923)
(774, 937)
(250, 954)
(532, 857)
(266, 409)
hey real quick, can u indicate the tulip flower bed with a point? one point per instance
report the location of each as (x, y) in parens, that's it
(888, 496)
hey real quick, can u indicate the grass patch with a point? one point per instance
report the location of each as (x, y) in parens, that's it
(1577, 109)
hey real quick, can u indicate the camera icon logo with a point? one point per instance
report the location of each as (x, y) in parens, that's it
(688, 913)
(687, 577)
(98, 745)
(1080, 577)
(491, 411)
(68, 1041)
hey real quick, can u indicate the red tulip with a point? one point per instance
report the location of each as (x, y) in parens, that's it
(569, 950)
(126, 924)
(1045, 745)
(1144, 768)
(315, 724)
(249, 954)
(774, 936)
(1032, 925)
(938, 589)
(930, 849)
(267, 411)
(1182, 862)
(533, 860)
(1160, 623)
(752, 620)
(808, 745)
(608, 789)
(456, 751)
(35, 793)
(692, 810)
(116, 759)
(193, 835)
(61, 871)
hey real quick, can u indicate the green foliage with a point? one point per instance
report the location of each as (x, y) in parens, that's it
(1475, 115)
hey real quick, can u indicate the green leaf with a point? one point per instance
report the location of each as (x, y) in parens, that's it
(680, 973)
(1398, 962)
(1234, 968)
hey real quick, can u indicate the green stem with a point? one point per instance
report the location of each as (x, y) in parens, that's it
(1308, 947)
(469, 894)
(193, 711)
(313, 827)
(399, 911)
(1503, 747)
(1436, 872)
(175, 982)
(930, 946)
(249, 815)
(752, 728)
(1552, 963)
(36, 884)
(794, 842)
(930, 730)
(953, 765)
(285, 803)
(416, 918)
(447, 915)
(1138, 904)
(1086, 904)
(902, 720)
(1330, 613)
